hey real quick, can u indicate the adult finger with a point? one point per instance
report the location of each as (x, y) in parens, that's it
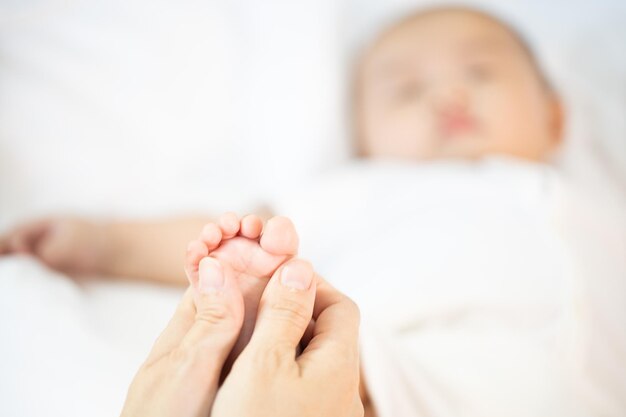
(336, 329)
(187, 359)
(285, 309)
(358, 410)
(203, 350)
(196, 250)
(219, 312)
(176, 328)
(207, 320)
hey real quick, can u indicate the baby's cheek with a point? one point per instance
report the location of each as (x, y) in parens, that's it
(502, 121)
(410, 133)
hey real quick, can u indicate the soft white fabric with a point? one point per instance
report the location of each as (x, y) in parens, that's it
(142, 108)
(131, 107)
(69, 349)
(486, 289)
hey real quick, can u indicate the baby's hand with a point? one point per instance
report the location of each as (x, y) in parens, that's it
(67, 245)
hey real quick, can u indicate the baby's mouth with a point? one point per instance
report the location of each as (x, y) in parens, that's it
(455, 126)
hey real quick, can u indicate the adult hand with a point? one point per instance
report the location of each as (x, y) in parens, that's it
(181, 376)
(269, 380)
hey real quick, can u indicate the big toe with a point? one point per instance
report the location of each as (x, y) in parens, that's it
(279, 237)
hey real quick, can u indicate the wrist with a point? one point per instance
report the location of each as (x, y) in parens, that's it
(104, 247)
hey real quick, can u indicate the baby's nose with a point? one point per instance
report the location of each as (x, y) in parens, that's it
(449, 98)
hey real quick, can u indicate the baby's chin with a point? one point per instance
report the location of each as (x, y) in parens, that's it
(477, 149)
(462, 147)
(466, 145)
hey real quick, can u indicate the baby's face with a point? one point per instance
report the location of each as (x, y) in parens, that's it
(453, 84)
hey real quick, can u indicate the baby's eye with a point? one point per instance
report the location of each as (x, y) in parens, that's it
(407, 92)
(479, 72)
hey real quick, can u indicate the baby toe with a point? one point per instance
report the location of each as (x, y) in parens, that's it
(229, 224)
(280, 237)
(251, 226)
(211, 235)
(196, 250)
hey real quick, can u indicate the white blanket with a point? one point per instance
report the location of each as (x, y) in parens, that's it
(486, 289)
(71, 350)
(478, 295)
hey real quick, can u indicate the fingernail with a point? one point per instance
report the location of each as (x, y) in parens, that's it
(211, 276)
(296, 275)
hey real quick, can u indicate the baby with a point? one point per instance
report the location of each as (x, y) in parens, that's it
(441, 83)
(453, 83)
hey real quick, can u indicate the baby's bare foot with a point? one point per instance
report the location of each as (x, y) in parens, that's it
(249, 251)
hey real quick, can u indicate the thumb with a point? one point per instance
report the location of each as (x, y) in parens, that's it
(219, 312)
(187, 359)
(286, 308)
(204, 349)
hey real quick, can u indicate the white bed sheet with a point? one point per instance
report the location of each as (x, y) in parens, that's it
(71, 349)
(477, 290)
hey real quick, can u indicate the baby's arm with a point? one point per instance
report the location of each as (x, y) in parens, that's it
(145, 250)
(152, 251)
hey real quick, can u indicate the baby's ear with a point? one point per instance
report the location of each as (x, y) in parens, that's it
(556, 119)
